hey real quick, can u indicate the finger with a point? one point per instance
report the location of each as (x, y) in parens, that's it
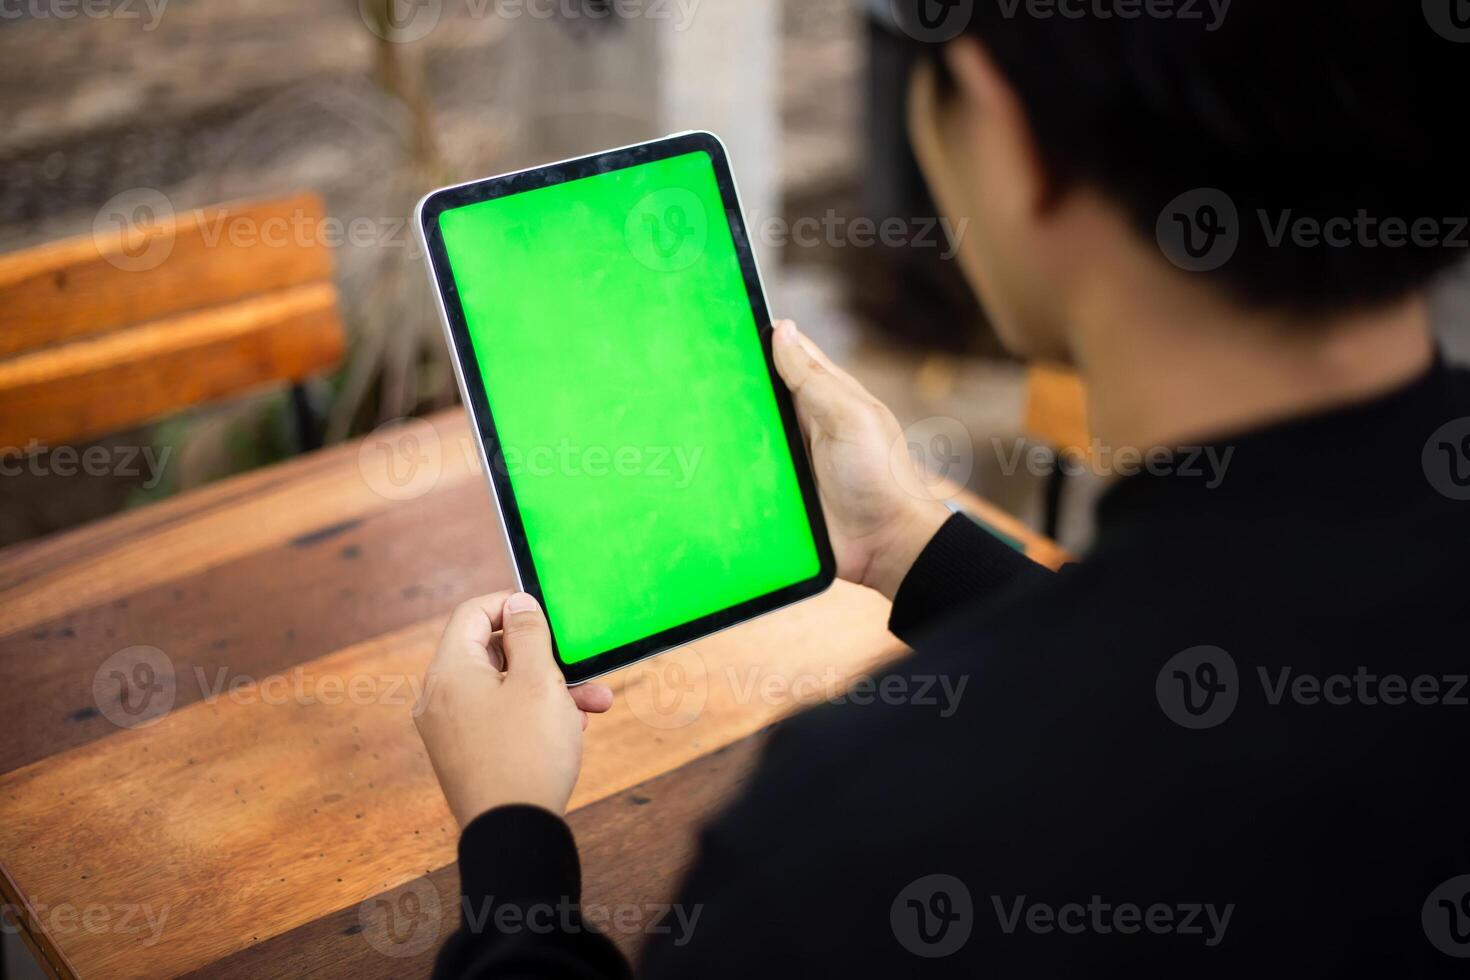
(821, 395)
(527, 639)
(496, 650)
(592, 698)
(470, 627)
(815, 352)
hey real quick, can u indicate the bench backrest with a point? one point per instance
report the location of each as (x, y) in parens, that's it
(155, 312)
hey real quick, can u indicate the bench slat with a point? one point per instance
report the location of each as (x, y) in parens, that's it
(110, 382)
(95, 284)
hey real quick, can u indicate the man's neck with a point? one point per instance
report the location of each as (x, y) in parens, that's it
(1167, 364)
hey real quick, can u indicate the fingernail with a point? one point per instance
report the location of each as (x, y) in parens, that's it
(521, 602)
(785, 331)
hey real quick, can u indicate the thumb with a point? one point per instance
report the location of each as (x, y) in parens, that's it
(526, 638)
(816, 384)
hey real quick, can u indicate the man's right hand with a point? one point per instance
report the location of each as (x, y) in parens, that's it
(880, 513)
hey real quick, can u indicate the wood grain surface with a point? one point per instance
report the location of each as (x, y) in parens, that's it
(155, 312)
(283, 620)
(111, 382)
(635, 847)
(109, 280)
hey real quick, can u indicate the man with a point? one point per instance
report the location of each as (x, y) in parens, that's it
(1232, 737)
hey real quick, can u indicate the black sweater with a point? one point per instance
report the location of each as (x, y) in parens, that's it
(1305, 621)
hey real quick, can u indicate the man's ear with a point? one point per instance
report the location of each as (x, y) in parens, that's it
(998, 125)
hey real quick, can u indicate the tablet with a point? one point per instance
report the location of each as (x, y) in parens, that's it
(613, 347)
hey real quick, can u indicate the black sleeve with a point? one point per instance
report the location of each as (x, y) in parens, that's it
(520, 904)
(964, 564)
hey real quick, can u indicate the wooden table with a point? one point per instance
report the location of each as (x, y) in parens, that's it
(210, 764)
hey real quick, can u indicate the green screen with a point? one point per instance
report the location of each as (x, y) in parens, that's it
(625, 374)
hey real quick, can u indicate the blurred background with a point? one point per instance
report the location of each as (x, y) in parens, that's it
(370, 103)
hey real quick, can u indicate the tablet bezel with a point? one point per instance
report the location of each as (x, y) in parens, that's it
(472, 386)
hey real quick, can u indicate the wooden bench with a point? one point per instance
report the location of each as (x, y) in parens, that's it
(153, 313)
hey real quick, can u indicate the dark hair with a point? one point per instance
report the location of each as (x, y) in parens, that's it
(1294, 109)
